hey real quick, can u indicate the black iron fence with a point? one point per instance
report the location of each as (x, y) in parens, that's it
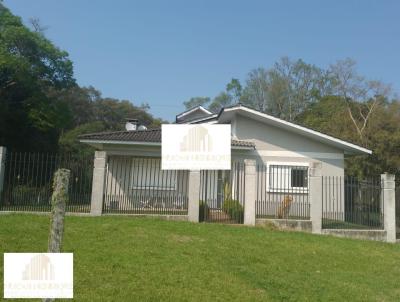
(222, 195)
(138, 185)
(350, 203)
(28, 181)
(282, 191)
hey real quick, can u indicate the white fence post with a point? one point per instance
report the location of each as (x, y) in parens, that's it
(99, 173)
(3, 154)
(250, 192)
(315, 196)
(194, 195)
(389, 206)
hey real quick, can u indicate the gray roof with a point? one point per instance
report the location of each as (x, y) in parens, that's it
(145, 136)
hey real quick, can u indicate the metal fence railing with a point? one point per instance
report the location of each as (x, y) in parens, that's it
(282, 191)
(28, 181)
(222, 195)
(137, 185)
(350, 203)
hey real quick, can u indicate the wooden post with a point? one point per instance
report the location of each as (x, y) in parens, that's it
(58, 202)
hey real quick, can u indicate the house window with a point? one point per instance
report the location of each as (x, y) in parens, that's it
(147, 174)
(298, 177)
(287, 177)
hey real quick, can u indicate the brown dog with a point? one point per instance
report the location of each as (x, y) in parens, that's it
(284, 208)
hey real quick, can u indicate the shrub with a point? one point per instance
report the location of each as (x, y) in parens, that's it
(234, 209)
(204, 210)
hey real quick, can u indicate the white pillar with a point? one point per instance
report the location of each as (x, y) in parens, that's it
(315, 196)
(3, 151)
(99, 174)
(194, 195)
(389, 206)
(250, 192)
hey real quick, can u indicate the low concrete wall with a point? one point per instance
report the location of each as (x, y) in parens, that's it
(287, 224)
(377, 235)
(163, 217)
(42, 213)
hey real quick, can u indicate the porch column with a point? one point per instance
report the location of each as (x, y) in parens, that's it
(250, 192)
(315, 196)
(99, 173)
(2, 167)
(389, 206)
(193, 195)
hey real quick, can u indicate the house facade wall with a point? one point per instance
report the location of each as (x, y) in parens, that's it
(276, 145)
(273, 145)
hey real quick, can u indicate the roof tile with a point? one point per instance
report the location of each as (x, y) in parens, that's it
(149, 135)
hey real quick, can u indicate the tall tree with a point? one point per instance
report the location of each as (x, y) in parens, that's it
(30, 66)
(196, 101)
(362, 97)
(221, 100)
(39, 99)
(234, 90)
(286, 89)
(232, 95)
(382, 133)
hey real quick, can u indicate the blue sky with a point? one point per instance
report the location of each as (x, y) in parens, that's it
(164, 52)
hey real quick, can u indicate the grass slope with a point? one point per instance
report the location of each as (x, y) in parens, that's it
(139, 259)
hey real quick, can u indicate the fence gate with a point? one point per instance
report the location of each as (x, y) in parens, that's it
(28, 181)
(222, 195)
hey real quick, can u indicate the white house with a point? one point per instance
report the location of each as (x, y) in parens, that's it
(283, 152)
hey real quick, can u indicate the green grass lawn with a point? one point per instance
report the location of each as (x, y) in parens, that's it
(141, 259)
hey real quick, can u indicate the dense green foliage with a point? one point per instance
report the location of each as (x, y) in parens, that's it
(234, 209)
(382, 133)
(138, 259)
(39, 98)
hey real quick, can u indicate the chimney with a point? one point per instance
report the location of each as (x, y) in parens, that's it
(131, 124)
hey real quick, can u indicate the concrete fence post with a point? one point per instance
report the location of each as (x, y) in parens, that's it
(3, 151)
(315, 196)
(250, 192)
(389, 206)
(98, 183)
(193, 195)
